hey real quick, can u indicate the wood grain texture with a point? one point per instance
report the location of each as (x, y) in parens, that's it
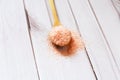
(16, 56)
(26, 55)
(52, 66)
(109, 25)
(116, 5)
(97, 48)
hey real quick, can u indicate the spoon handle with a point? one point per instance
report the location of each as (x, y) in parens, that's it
(54, 13)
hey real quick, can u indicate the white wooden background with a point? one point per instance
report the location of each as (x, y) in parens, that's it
(24, 51)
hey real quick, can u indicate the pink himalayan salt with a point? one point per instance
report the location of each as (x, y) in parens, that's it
(70, 47)
(60, 36)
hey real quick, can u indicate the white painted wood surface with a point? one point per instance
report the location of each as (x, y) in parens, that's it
(25, 56)
(50, 65)
(95, 43)
(110, 27)
(16, 56)
(116, 5)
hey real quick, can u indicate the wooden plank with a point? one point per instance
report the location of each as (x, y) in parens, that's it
(95, 43)
(109, 25)
(16, 56)
(50, 65)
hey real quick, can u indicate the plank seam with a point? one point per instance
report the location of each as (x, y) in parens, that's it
(115, 8)
(107, 43)
(48, 12)
(81, 35)
(28, 24)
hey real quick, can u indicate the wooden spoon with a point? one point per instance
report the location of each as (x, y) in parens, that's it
(59, 35)
(54, 13)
